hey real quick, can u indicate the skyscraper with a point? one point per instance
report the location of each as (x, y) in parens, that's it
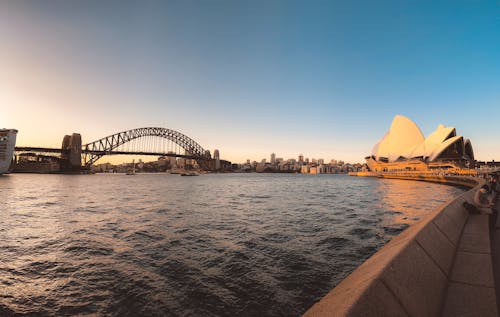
(173, 160)
(273, 158)
(217, 159)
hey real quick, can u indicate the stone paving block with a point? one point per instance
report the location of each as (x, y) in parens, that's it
(369, 299)
(340, 299)
(437, 246)
(475, 242)
(456, 212)
(450, 229)
(477, 224)
(467, 300)
(417, 281)
(473, 269)
(377, 301)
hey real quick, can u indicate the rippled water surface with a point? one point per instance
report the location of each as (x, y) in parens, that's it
(214, 245)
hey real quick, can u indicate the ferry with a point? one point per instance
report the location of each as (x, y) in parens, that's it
(7, 144)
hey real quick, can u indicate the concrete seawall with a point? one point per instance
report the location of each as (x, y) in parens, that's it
(417, 272)
(453, 180)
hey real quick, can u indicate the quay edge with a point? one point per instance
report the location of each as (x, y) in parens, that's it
(415, 274)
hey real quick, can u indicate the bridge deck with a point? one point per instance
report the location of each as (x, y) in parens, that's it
(84, 151)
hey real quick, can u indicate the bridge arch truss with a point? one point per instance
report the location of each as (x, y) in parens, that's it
(93, 151)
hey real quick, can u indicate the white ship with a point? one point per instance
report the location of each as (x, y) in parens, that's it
(7, 144)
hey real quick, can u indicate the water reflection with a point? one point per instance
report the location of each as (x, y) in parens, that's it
(216, 245)
(409, 200)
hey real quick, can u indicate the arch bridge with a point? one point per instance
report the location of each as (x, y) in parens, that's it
(145, 141)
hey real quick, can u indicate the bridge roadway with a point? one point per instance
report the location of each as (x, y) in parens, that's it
(84, 151)
(447, 264)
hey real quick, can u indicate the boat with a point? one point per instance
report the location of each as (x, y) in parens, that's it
(190, 174)
(7, 145)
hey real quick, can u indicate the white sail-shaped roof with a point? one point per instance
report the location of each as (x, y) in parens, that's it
(405, 140)
(468, 149)
(443, 146)
(403, 136)
(433, 141)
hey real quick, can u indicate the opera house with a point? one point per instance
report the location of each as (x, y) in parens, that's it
(404, 148)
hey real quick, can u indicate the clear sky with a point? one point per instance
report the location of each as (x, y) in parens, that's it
(319, 78)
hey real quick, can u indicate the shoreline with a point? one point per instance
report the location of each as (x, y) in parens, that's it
(466, 181)
(415, 273)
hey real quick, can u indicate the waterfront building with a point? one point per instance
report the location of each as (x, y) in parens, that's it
(264, 168)
(103, 168)
(273, 158)
(404, 147)
(35, 163)
(181, 162)
(301, 158)
(162, 164)
(321, 169)
(173, 159)
(7, 145)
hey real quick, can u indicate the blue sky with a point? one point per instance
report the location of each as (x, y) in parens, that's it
(319, 78)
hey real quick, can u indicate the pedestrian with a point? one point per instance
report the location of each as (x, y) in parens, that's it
(494, 186)
(483, 201)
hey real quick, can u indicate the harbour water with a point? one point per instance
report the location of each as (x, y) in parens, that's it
(214, 245)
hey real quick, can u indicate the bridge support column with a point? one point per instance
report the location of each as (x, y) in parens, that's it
(71, 155)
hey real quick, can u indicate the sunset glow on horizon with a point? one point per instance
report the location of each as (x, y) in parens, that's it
(323, 78)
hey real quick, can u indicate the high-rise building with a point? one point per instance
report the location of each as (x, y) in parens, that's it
(301, 158)
(217, 159)
(173, 160)
(273, 158)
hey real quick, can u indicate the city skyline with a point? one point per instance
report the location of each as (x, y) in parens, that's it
(321, 78)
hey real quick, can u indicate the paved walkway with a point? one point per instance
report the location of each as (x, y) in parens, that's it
(471, 287)
(495, 248)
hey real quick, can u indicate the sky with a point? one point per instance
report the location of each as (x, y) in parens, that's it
(250, 78)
